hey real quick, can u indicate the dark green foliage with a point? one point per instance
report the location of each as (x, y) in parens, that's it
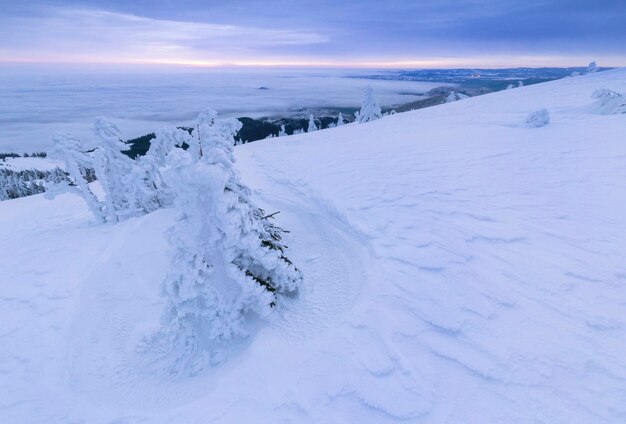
(255, 129)
(26, 182)
(3, 156)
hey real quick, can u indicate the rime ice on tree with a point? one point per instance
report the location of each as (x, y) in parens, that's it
(312, 126)
(370, 110)
(70, 150)
(340, 120)
(228, 260)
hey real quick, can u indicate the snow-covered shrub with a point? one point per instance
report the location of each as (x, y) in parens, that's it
(592, 68)
(156, 193)
(228, 259)
(609, 102)
(340, 120)
(312, 126)
(454, 96)
(130, 187)
(69, 149)
(112, 170)
(539, 118)
(520, 84)
(510, 87)
(370, 110)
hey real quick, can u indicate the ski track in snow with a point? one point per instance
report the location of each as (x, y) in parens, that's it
(459, 267)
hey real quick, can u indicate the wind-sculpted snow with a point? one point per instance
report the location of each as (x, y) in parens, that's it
(460, 267)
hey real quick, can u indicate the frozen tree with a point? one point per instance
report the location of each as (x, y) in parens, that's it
(207, 116)
(282, 131)
(340, 120)
(539, 118)
(593, 67)
(129, 185)
(26, 182)
(69, 149)
(454, 96)
(312, 126)
(370, 110)
(147, 178)
(112, 168)
(609, 102)
(228, 259)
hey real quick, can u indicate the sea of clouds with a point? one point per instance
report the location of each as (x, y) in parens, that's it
(36, 103)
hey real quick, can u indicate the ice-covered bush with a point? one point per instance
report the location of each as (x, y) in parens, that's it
(340, 120)
(454, 96)
(157, 192)
(69, 149)
(539, 118)
(312, 126)
(370, 110)
(228, 259)
(609, 102)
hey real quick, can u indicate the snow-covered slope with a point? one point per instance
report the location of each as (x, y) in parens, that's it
(459, 267)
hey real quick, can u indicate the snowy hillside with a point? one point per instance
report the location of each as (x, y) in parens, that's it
(460, 267)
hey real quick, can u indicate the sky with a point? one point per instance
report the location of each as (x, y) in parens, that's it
(366, 33)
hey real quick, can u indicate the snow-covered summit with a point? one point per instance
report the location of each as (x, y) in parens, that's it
(460, 266)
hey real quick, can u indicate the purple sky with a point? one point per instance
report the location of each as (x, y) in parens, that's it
(393, 33)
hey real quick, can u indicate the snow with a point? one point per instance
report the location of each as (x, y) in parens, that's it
(18, 164)
(459, 267)
(35, 103)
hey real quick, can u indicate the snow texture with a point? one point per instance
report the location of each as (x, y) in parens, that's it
(458, 267)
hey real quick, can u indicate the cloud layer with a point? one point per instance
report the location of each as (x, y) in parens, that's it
(323, 32)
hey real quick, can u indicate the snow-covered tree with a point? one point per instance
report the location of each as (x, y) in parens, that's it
(520, 84)
(510, 87)
(593, 67)
(340, 120)
(112, 168)
(228, 260)
(69, 149)
(370, 110)
(454, 96)
(539, 118)
(282, 131)
(312, 126)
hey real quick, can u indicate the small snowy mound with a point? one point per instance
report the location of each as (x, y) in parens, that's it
(539, 118)
(609, 102)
